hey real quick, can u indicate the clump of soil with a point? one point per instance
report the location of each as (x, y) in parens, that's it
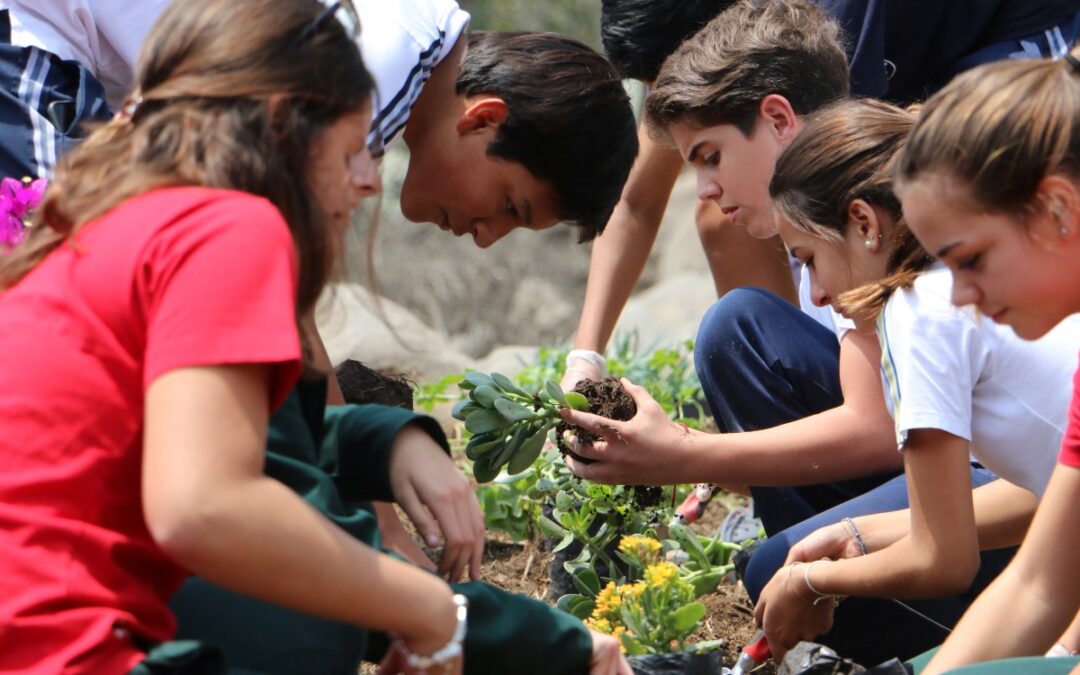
(360, 384)
(607, 398)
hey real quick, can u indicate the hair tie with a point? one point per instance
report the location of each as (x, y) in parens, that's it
(1074, 63)
(129, 108)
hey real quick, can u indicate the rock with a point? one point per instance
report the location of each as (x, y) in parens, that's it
(508, 360)
(678, 247)
(353, 328)
(668, 312)
(540, 308)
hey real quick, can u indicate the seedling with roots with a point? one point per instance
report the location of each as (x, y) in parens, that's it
(508, 424)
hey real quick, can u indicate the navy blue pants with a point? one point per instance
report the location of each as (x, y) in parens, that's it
(763, 362)
(44, 101)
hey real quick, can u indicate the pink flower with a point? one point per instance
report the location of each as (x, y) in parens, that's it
(18, 199)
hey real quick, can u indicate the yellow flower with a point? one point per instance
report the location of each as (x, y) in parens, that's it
(660, 573)
(599, 625)
(608, 600)
(641, 547)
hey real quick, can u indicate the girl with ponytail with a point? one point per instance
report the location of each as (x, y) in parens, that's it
(990, 184)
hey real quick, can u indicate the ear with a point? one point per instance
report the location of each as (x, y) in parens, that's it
(864, 226)
(277, 106)
(482, 113)
(784, 123)
(1060, 220)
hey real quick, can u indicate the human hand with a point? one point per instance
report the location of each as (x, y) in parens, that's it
(394, 663)
(394, 537)
(646, 450)
(578, 370)
(787, 613)
(832, 541)
(439, 501)
(607, 657)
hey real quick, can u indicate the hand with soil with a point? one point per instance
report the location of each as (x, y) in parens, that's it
(648, 449)
(787, 613)
(439, 500)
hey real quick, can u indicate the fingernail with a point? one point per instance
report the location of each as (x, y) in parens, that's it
(432, 540)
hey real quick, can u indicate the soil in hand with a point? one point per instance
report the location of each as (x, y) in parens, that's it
(607, 398)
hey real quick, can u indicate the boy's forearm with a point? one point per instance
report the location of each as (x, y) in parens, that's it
(619, 255)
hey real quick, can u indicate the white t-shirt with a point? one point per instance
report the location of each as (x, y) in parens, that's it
(103, 35)
(826, 316)
(402, 41)
(952, 369)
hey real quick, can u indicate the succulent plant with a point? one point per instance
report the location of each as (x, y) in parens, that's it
(508, 424)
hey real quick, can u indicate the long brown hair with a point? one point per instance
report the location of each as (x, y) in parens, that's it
(228, 100)
(998, 130)
(843, 153)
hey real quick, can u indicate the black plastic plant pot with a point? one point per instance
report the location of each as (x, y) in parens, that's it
(678, 663)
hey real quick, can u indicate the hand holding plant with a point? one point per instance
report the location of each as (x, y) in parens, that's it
(648, 449)
(508, 424)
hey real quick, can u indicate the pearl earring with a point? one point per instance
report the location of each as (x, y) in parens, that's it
(869, 244)
(1064, 230)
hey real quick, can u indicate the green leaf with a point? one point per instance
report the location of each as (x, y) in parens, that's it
(632, 646)
(483, 471)
(707, 582)
(520, 434)
(566, 541)
(476, 378)
(478, 450)
(550, 528)
(485, 395)
(512, 411)
(587, 582)
(689, 542)
(483, 421)
(686, 617)
(462, 409)
(506, 384)
(577, 401)
(555, 392)
(528, 452)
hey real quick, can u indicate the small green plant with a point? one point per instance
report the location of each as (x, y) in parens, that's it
(653, 615)
(508, 424)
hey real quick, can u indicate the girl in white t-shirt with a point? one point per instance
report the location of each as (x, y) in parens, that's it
(958, 385)
(998, 151)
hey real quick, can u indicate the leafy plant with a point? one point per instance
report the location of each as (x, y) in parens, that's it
(653, 615)
(508, 424)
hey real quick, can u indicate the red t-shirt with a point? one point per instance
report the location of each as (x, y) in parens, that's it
(173, 278)
(1070, 445)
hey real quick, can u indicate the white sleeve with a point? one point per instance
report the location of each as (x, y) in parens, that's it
(402, 42)
(931, 358)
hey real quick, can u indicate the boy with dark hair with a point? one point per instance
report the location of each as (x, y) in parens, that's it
(639, 35)
(505, 130)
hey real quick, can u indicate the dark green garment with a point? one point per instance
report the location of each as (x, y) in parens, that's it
(336, 458)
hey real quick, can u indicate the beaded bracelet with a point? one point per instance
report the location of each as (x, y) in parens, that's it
(850, 524)
(449, 651)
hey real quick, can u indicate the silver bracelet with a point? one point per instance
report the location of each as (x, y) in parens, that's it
(588, 356)
(820, 596)
(850, 524)
(447, 652)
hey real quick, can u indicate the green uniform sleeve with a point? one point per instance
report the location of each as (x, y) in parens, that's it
(356, 444)
(511, 633)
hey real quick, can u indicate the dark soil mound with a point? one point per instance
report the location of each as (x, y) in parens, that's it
(360, 384)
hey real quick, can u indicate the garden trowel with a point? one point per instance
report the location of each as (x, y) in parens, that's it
(752, 655)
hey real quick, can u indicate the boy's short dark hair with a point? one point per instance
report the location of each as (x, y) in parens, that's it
(639, 34)
(751, 50)
(570, 122)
